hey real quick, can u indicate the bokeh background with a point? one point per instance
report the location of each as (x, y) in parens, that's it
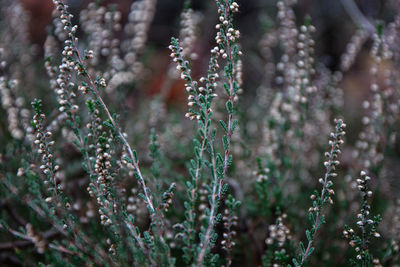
(335, 27)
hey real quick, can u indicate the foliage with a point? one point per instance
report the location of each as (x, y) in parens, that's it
(96, 171)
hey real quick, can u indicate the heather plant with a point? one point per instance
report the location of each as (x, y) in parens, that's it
(105, 162)
(368, 225)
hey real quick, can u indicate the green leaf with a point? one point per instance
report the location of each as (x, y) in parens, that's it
(226, 87)
(308, 235)
(225, 142)
(223, 124)
(311, 250)
(142, 196)
(108, 124)
(307, 20)
(303, 249)
(311, 217)
(229, 107)
(379, 28)
(234, 125)
(213, 133)
(235, 87)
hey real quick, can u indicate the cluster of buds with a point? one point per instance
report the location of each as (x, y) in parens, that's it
(94, 126)
(107, 205)
(226, 33)
(288, 31)
(65, 17)
(380, 47)
(68, 50)
(203, 193)
(227, 36)
(199, 96)
(192, 116)
(188, 34)
(103, 164)
(48, 167)
(167, 197)
(59, 81)
(320, 200)
(368, 152)
(330, 165)
(17, 116)
(262, 175)
(99, 24)
(352, 49)
(395, 226)
(234, 7)
(65, 95)
(335, 142)
(104, 219)
(362, 183)
(12, 106)
(278, 232)
(89, 54)
(102, 82)
(50, 51)
(230, 223)
(305, 62)
(83, 88)
(68, 63)
(111, 249)
(367, 224)
(100, 188)
(232, 35)
(140, 17)
(212, 76)
(182, 64)
(128, 67)
(238, 71)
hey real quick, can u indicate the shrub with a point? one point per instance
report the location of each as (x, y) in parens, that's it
(96, 171)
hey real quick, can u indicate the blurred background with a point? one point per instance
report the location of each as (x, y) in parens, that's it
(334, 23)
